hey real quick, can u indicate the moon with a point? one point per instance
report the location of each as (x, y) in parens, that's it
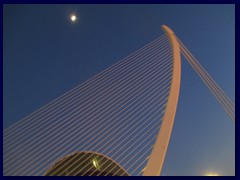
(73, 18)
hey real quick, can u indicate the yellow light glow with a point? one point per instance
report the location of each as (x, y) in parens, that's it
(212, 174)
(73, 18)
(94, 163)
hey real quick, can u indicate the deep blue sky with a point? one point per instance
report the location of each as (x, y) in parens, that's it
(45, 55)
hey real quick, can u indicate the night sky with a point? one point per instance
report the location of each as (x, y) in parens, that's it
(45, 54)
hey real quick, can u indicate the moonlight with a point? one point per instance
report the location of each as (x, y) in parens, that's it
(73, 18)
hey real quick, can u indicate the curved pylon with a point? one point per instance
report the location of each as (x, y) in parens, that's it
(156, 159)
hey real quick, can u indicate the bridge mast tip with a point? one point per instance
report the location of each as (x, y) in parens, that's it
(167, 30)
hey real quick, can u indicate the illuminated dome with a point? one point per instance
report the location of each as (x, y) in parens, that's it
(86, 164)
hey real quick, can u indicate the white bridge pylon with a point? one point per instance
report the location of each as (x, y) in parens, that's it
(158, 154)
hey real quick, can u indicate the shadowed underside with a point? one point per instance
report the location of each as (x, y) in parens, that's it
(79, 164)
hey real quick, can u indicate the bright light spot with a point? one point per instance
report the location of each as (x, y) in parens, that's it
(73, 18)
(96, 164)
(212, 174)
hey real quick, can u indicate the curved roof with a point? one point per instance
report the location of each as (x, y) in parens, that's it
(86, 164)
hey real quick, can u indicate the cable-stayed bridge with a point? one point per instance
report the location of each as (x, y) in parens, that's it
(118, 122)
